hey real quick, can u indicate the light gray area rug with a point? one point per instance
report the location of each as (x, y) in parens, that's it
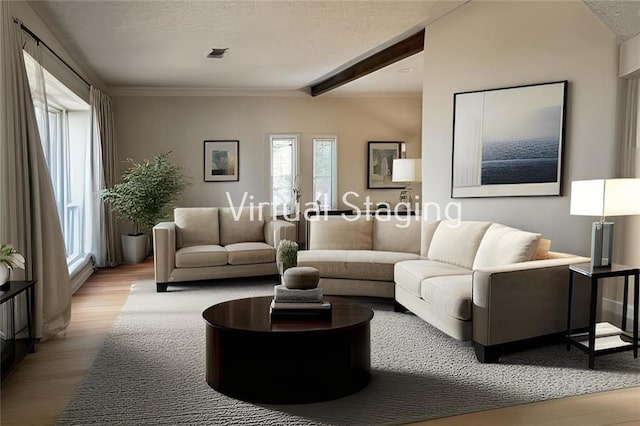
(151, 370)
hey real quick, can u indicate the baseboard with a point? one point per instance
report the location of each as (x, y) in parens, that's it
(81, 275)
(612, 311)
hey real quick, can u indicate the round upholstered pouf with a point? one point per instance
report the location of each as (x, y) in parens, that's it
(301, 277)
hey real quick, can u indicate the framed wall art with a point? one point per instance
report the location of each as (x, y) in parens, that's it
(509, 142)
(380, 164)
(221, 161)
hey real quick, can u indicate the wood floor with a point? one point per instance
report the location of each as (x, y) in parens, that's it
(39, 389)
(42, 385)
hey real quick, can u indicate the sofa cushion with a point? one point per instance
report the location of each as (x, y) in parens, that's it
(354, 264)
(427, 231)
(201, 256)
(340, 233)
(503, 245)
(410, 274)
(456, 242)
(451, 295)
(249, 253)
(397, 233)
(196, 226)
(241, 225)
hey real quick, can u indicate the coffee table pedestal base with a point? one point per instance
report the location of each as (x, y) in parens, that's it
(288, 368)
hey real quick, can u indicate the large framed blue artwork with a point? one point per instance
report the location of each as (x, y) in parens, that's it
(508, 142)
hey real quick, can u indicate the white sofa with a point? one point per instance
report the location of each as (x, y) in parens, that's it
(210, 243)
(356, 254)
(490, 283)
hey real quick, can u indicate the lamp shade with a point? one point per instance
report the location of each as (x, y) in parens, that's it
(605, 197)
(407, 170)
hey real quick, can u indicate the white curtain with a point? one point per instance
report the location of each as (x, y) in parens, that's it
(629, 141)
(53, 152)
(103, 155)
(28, 214)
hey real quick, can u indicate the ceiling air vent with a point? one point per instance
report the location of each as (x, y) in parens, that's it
(217, 52)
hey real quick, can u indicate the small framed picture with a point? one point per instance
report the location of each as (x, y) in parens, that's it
(380, 164)
(221, 161)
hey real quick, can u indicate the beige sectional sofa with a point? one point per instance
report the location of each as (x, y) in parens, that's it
(497, 285)
(356, 254)
(490, 283)
(210, 242)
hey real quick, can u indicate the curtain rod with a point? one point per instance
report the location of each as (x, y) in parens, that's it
(39, 41)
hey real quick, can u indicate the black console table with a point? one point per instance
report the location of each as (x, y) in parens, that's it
(604, 338)
(14, 349)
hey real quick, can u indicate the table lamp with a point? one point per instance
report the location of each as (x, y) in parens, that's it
(407, 170)
(604, 197)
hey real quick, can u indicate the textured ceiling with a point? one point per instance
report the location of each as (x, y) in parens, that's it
(622, 17)
(273, 45)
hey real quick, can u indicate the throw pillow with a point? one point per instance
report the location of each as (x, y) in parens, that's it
(542, 252)
(503, 245)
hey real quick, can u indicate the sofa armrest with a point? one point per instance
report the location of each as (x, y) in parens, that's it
(525, 300)
(534, 264)
(277, 230)
(164, 250)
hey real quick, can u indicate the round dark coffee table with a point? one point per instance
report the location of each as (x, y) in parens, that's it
(252, 358)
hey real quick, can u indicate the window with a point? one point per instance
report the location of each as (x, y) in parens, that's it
(57, 152)
(284, 170)
(325, 172)
(54, 149)
(64, 125)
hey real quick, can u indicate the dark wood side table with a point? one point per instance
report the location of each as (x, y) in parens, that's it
(604, 338)
(15, 349)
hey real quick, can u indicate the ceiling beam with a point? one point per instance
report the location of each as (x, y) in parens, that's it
(402, 49)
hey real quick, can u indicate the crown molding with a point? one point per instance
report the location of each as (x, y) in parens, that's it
(204, 92)
(211, 92)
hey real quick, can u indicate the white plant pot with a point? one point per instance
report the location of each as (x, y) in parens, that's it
(4, 273)
(134, 248)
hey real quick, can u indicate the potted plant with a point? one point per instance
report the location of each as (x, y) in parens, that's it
(9, 259)
(147, 193)
(286, 255)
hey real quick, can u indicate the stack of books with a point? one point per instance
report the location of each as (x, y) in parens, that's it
(299, 304)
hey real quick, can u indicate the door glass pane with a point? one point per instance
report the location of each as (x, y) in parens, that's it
(282, 173)
(323, 171)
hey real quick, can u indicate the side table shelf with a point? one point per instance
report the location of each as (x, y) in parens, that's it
(608, 337)
(15, 348)
(604, 338)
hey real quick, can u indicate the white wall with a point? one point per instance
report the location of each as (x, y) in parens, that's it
(630, 58)
(22, 11)
(148, 125)
(631, 253)
(484, 45)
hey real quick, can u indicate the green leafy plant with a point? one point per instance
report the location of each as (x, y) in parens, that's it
(147, 193)
(287, 254)
(10, 257)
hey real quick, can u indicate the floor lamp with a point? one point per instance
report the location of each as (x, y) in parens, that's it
(602, 198)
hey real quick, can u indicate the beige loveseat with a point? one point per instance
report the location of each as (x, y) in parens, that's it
(490, 283)
(356, 254)
(210, 242)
